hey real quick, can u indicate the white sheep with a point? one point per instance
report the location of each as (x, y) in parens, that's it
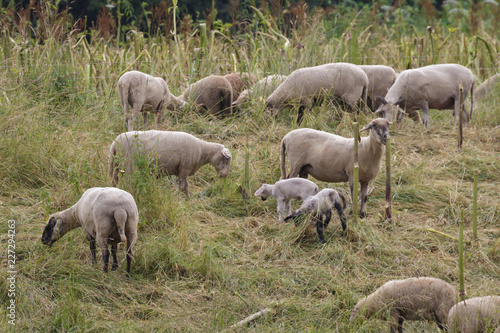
(491, 85)
(475, 315)
(330, 158)
(306, 86)
(107, 214)
(380, 79)
(285, 190)
(145, 93)
(263, 87)
(321, 206)
(174, 153)
(417, 298)
(430, 87)
(214, 94)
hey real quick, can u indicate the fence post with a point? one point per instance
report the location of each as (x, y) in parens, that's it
(388, 212)
(355, 174)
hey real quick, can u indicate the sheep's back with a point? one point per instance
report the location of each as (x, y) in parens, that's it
(475, 314)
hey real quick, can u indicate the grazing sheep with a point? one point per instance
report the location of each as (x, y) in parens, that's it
(380, 79)
(497, 330)
(286, 190)
(212, 93)
(145, 93)
(174, 153)
(475, 315)
(330, 158)
(489, 86)
(107, 214)
(321, 206)
(422, 298)
(264, 87)
(240, 81)
(306, 86)
(430, 87)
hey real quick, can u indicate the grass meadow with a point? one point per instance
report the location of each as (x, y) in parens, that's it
(204, 264)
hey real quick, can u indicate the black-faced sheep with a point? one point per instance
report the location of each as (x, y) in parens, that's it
(380, 79)
(174, 153)
(330, 158)
(306, 86)
(107, 214)
(239, 82)
(263, 87)
(423, 298)
(213, 94)
(430, 87)
(321, 205)
(145, 93)
(285, 190)
(475, 315)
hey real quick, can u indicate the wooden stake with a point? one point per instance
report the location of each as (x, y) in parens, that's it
(355, 174)
(474, 204)
(388, 206)
(460, 120)
(461, 291)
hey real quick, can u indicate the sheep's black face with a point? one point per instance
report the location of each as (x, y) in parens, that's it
(47, 232)
(381, 128)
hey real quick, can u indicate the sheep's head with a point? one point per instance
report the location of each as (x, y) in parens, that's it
(264, 191)
(223, 163)
(379, 128)
(53, 230)
(390, 111)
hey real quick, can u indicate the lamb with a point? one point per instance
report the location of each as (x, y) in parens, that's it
(145, 93)
(474, 315)
(213, 93)
(330, 158)
(417, 298)
(263, 87)
(285, 190)
(380, 79)
(434, 87)
(240, 81)
(492, 84)
(321, 206)
(305, 86)
(107, 214)
(174, 153)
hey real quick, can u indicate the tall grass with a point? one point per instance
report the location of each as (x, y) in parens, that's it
(206, 263)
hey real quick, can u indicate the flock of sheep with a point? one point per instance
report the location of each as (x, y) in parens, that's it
(110, 215)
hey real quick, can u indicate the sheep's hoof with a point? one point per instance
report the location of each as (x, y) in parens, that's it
(322, 241)
(114, 267)
(363, 215)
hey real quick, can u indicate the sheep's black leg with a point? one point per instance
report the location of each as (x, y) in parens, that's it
(114, 266)
(364, 199)
(92, 248)
(320, 229)
(343, 220)
(400, 325)
(103, 244)
(303, 172)
(300, 114)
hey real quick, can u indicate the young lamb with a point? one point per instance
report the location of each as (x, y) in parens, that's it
(430, 87)
(321, 206)
(145, 93)
(263, 87)
(489, 86)
(422, 298)
(380, 79)
(107, 214)
(175, 153)
(213, 93)
(330, 158)
(475, 315)
(306, 86)
(285, 190)
(240, 81)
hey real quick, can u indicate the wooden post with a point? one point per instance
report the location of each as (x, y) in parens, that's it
(460, 120)
(355, 174)
(474, 204)
(461, 291)
(388, 212)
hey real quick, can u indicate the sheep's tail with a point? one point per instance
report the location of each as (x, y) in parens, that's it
(120, 216)
(344, 201)
(113, 169)
(283, 159)
(472, 99)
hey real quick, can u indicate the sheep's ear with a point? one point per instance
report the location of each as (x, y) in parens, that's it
(381, 100)
(259, 191)
(367, 127)
(233, 103)
(58, 225)
(400, 103)
(226, 153)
